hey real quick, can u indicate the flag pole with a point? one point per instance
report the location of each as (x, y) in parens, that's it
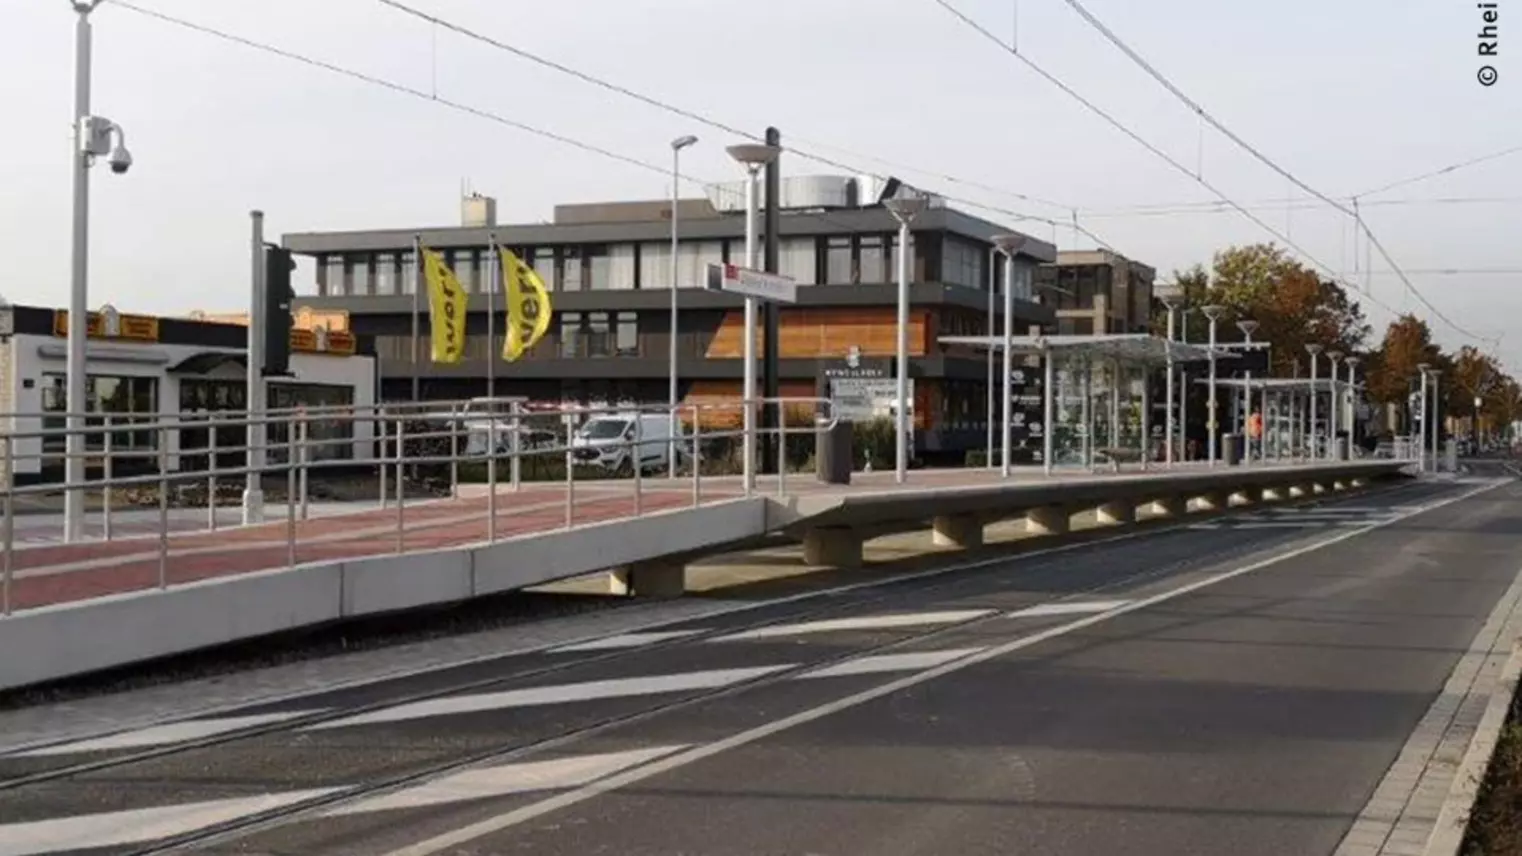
(417, 282)
(491, 315)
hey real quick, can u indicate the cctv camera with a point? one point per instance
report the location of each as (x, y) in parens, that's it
(121, 160)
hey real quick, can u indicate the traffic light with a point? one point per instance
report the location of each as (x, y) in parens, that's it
(278, 295)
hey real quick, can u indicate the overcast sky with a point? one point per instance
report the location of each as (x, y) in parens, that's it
(1348, 95)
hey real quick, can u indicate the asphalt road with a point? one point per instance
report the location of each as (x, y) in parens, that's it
(1074, 702)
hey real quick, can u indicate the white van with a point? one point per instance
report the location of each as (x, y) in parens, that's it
(606, 441)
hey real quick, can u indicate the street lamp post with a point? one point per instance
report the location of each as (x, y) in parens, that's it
(676, 176)
(1336, 405)
(93, 137)
(1422, 420)
(1010, 245)
(1247, 327)
(1352, 393)
(904, 209)
(1212, 312)
(1437, 417)
(754, 157)
(1315, 351)
(1172, 308)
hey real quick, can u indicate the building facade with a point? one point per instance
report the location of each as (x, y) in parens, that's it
(142, 369)
(1097, 291)
(609, 269)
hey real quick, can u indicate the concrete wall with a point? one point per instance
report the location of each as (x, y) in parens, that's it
(63, 641)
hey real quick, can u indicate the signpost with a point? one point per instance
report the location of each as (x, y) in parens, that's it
(753, 285)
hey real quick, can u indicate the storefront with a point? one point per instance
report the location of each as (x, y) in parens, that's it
(142, 369)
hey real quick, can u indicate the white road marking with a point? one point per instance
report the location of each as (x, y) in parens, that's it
(118, 828)
(1080, 607)
(555, 694)
(865, 622)
(623, 640)
(162, 735)
(1291, 524)
(507, 820)
(879, 663)
(507, 779)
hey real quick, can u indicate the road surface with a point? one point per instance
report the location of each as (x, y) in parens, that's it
(1235, 686)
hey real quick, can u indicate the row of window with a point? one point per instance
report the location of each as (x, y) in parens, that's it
(838, 260)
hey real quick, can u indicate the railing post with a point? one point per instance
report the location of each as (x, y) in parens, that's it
(163, 450)
(636, 454)
(781, 423)
(306, 457)
(290, 492)
(400, 490)
(514, 444)
(107, 450)
(454, 451)
(10, 524)
(211, 472)
(491, 480)
(697, 460)
(570, 482)
(380, 457)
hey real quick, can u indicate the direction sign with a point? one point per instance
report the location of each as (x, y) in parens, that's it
(752, 283)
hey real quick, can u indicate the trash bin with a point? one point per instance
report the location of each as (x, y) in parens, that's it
(832, 454)
(1231, 449)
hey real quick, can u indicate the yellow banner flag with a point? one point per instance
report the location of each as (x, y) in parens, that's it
(446, 309)
(528, 307)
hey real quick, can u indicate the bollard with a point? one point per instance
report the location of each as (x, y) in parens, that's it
(306, 457)
(400, 490)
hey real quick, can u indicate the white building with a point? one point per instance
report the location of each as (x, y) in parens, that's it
(142, 369)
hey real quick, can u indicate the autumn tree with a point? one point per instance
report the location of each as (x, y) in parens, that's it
(1393, 368)
(1291, 303)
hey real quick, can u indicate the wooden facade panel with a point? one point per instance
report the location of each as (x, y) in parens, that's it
(827, 333)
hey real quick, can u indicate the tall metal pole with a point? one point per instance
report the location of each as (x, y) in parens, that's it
(1437, 419)
(1213, 313)
(671, 392)
(988, 455)
(253, 489)
(79, 287)
(1048, 383)
(493, 267)
(1183, 400)
(1007, 382)
(1335, 405)
(901, 432)
(417, 311)
(1315, 351)
(1168, 425)
(773, 452)
(1421, 423)
(749, 352)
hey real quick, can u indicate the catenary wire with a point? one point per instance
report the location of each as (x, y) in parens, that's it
(1207, 117)
(1118, 125)
(1444, 171)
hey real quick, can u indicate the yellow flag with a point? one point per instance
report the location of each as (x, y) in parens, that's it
(446, 309)
(528, 307)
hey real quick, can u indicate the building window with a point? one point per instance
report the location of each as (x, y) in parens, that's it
(961, 264)
(797, 259)
(327, 438)
(361, 282)
(570, 334)
(599, 268)
(407, 277)
(573, 273)
(873, 267)
(385, 274)
(838, 269)
(333, 276)
(598, 336)
(543, 264)
(126, 400)
(626, 335)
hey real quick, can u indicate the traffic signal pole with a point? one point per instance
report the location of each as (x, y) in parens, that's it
(253, 490)
(773, 449)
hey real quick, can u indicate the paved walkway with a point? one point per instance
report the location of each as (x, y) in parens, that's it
(46, 574)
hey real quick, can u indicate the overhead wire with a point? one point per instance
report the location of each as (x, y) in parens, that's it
(1170, 160)
(1444, 171)
(691, 115)
(1210, 119)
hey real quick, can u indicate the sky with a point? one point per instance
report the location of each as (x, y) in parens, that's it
(1346, 96)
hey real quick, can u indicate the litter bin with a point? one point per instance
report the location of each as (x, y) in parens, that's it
(832, 454)
(1231, 449)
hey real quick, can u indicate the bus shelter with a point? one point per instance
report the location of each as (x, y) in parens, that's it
(1292, 418)
(1092, 398)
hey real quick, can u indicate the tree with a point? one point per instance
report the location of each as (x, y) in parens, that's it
(1292, 305)
(1392, 369)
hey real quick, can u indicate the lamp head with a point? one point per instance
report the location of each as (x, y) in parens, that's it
(905, 208)
(1247, 326)
(683, 142)
(1009, 244)
(1313, 349)
(1334, 356)
(1213, 311)
(754, 155)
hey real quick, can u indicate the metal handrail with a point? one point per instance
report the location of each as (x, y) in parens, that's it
(396, 443)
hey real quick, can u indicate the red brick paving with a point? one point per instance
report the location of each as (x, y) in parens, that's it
(137, 572)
